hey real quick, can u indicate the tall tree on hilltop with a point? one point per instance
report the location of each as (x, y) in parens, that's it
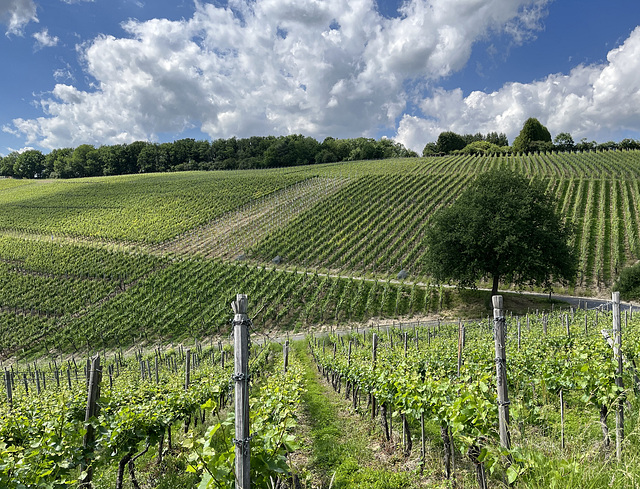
(532, 137)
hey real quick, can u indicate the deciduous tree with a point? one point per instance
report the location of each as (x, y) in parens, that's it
(503, 226)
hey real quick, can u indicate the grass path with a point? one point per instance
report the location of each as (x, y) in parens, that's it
(339, 450)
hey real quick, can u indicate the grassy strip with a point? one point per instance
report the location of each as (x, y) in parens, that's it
(341, 447)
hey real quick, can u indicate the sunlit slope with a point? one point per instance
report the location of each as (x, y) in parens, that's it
(106, 262)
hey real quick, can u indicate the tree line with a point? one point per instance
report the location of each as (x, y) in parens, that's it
(533, 137)
(189, 154)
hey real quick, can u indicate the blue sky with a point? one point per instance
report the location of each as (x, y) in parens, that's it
(109, 72)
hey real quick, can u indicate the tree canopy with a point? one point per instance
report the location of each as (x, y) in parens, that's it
(533, 137)
(189, 154)
(505, 227)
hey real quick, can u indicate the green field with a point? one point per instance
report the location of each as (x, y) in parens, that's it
(139, 262)
(105, 262)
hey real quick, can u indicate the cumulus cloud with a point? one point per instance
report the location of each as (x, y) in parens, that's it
(44, 40)
(318, 67)
(15, 14)
(595, 100)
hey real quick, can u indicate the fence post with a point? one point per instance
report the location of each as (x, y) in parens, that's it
(93, 393)
(241, 377)
(501, 371)
(7, 381)
(285, 354)
(374, 354)
(617, 352)
(187, 370)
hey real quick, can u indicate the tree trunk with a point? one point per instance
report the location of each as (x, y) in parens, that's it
(494, 288)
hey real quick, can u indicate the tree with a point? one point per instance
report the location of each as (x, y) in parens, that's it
(504, 227)
(628, 284)
(481, 148)
(430, 149)
(564, 142)
(449, 141)
(29, 164)
(530, 136)
(7, 163)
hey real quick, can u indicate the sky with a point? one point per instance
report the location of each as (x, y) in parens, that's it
(117, 71)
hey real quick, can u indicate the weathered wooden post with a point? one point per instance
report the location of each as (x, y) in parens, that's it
(501, 371)
(374, 353)
(241, 378)
(285, 354)
(617, 352)
(460, 346)
(187, 370)
(93, 393)
(7, 381)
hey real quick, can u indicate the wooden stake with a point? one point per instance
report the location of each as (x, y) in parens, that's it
(374, 353)
(562, 420)
(617, 352)
(501, 371)
(93, 393)
(241, 377)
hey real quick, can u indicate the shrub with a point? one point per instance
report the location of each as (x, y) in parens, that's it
(629, 282)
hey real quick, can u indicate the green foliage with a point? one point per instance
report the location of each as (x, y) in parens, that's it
(449, 141)
(350, 474)
(188, 155)
(481, 148)
(564, 142)
(503, 226)
(532, 137)
(424, 381)
(628, 284)
(117, 208)
(430, 149)
(273, 417)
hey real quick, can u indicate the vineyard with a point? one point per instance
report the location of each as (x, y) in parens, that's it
(437, 385)
(131, 267)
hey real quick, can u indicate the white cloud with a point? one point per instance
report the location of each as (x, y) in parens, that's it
(597, 101)
(318, 67)
(15, 14)
(44, 40)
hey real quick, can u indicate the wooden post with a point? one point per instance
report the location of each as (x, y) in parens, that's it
(459, 346)
(617, 352)
(586, 324)
(285, 354)
(187, 370)
(241, 377)
(562, 444)
(93, 393)
(501, 371)
(7, 381)
(157, 375)
(374, 353)
(519, 333)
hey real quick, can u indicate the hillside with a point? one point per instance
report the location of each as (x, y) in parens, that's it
(103, 262)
